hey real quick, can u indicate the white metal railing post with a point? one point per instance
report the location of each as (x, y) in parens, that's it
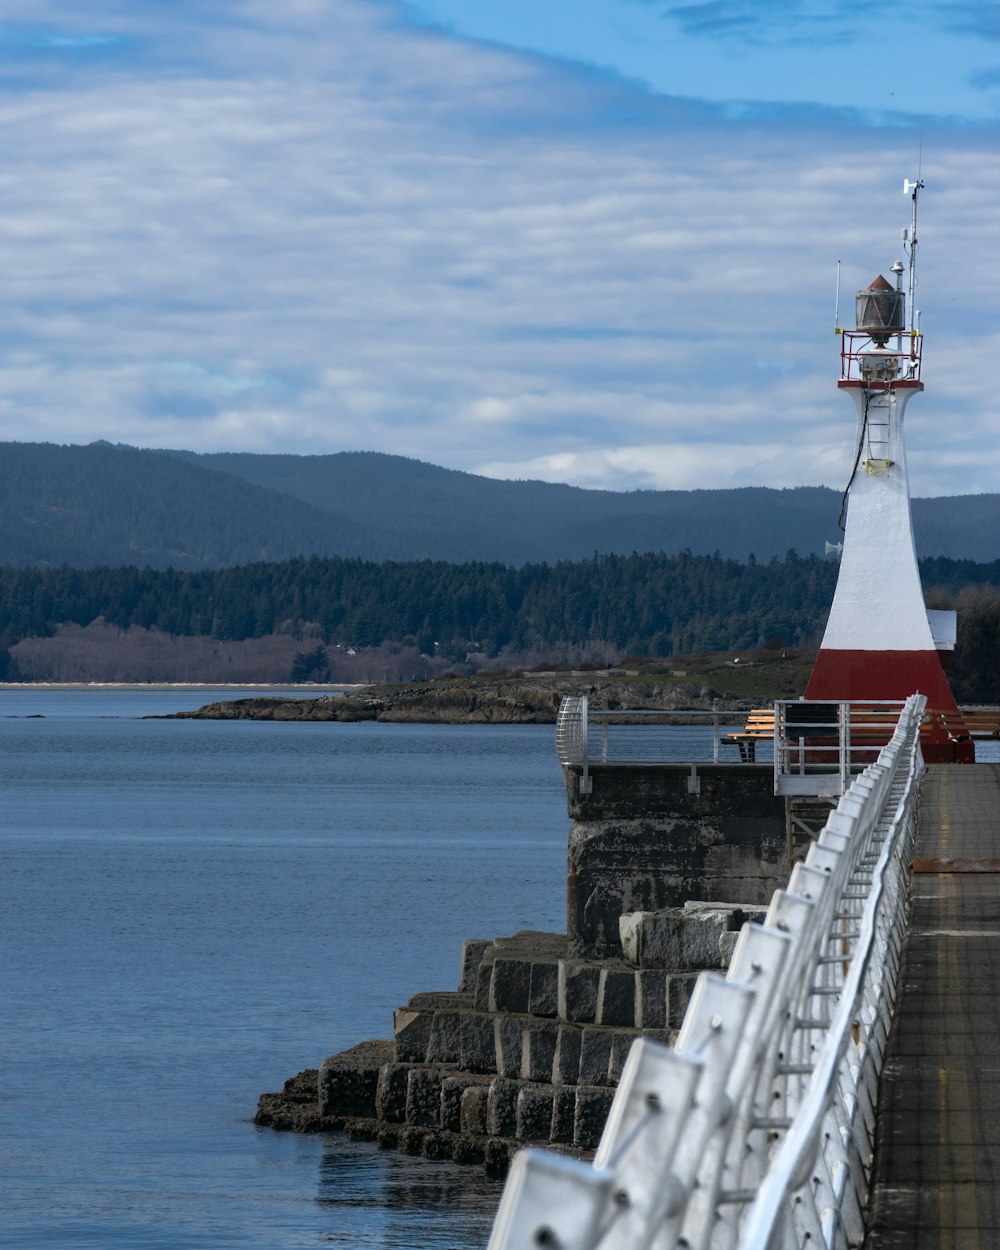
(844, 721)
(715, 731)
(585, 779)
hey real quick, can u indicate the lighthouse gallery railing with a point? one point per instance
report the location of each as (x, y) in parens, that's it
(756, 1130)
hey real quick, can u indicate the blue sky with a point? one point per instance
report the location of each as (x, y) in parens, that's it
(591, 242)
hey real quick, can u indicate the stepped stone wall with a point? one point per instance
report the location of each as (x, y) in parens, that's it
(527, 1049)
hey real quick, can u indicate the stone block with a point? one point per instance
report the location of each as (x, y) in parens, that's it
(411, 1140)
(437, 1146)
(423, 1097)
(577, 991)
(508, 1045)
(452, 1088)
(543, 994)
(563, 1114)
(465, 1151)
(511, 985)
(533, 1121)
(616, 997)
(473, 1110)
(390, 1095)
(679, 991)
(478, 1048)
(679, 939)
(411, 1033)
(566, 1064)
(473, 950)
(650, 998)
(347, 1083)
(452, 1091)
(595, 1057)
(630, 935)
(621, 1044)
(484, 980)
(538, 1052)
(742, 912)
(501, 1108)
(508, 1034)
(727, 944)
(592, 1107)
(497, 1154)
(445, 1042)
(439, 1000)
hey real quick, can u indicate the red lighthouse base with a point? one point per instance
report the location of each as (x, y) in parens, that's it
(870, 676)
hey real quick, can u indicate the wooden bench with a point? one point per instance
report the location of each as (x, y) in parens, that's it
(982, 722)
(759, 726)
(871, 726)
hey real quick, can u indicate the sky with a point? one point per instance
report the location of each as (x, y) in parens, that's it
(587, 241)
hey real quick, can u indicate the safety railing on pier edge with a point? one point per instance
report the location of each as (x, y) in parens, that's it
(817, 746)
(756, 1130)
(636, 739)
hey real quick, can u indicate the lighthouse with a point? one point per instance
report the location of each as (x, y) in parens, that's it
(878, 643)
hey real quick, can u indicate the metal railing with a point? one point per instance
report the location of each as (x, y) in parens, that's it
(861, 361)
(756, 1130)
(587, 735)
(820, 745)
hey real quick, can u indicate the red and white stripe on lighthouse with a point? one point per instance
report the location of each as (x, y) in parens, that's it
(878, 643)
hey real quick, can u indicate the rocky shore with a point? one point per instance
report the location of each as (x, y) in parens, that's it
(528, 700)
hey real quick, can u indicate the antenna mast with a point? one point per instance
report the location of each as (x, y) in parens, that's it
(912, 189)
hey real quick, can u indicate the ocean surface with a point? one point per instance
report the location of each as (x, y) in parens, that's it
(193, 911)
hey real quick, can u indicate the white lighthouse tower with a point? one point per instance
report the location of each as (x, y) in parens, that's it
(878, 643)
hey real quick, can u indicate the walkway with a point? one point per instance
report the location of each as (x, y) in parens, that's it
(938, 1157)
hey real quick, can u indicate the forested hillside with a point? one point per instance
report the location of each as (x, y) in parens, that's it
(305, 614)
(653, 604)
(104, 505)
(98, 504)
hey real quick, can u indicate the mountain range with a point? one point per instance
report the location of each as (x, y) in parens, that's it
(104, 504)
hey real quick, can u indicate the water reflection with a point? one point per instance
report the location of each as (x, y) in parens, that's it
(387, 1199)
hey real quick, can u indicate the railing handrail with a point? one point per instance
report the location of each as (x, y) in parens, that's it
(756, 1129)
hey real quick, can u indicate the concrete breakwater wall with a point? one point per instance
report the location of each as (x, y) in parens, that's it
(528, 1049)
(648, 836)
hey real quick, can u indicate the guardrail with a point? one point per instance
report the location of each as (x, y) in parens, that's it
(635, 739)
(819, 745)
(757, 1129)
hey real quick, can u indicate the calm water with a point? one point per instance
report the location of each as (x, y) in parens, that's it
(193, 911)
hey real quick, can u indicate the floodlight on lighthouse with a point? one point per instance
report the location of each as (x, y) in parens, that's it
(880, 311)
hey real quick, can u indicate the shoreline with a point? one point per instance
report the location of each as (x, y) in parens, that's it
(468, 701)
(326, 688)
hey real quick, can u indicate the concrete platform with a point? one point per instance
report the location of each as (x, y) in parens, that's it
(937, 1166)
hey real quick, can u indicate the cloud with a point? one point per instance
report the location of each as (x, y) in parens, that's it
(316, 226)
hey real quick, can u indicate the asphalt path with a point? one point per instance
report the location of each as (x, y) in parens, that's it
(937, 1163)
